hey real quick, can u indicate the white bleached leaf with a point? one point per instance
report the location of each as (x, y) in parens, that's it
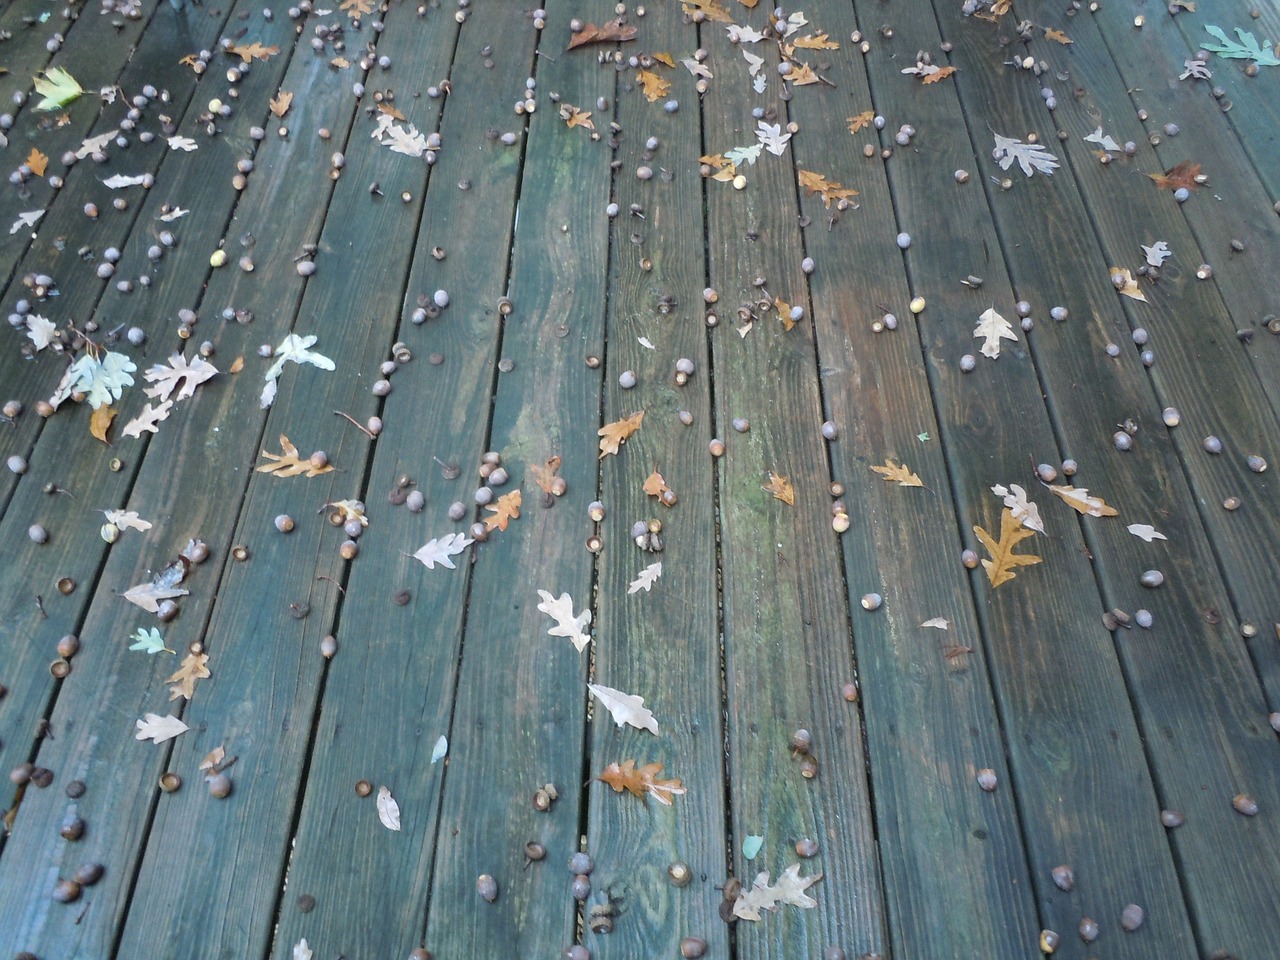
(740, 34)
(301, 950)
(697, 69)
(175, 214)
(790, 889)
(568, 624)
(185, 144)
(1146, 532)
(407, 140)
(158, 729)
(296, 349)
(148, 420)
(646, 343)
(27, 219)
(626, 708)
(178, 375)
(121, 180)
(1023, 510)
(149, 595)
(126, 520)
(645, 580)
(441, 748)
(1081, 501)
(759, 83)
(754, 63)
(937, 623)
(1157, 253)
(388, 809)
(993, 328)
(1104, 141)
(1196, 70)
(442, 550)
(40, 331)
(1030, 156)
(94, 144)
(740, 155)
(772, 137)
(100, 378)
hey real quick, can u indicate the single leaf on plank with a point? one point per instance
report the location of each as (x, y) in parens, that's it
(287, 463)
(863, 119)
(772, 137)
(179, 375)
(626, 708)
(388, 809)
(100, 422)
(655, 486)
(801, 75)
(781, 488)
(544, 475)
(1195, 69)
(1000, 568)
(1057, 36)
(37, 161)
(355, 9)
(613, 435)
(126, 520)
(158, 729)
(148, 420)
(1079, 498)
(442, 550)
(991, 329)
(1029, 156)
(302, 950)
(148, 641)
(281, 103)
(646, 578)
(740, 155)
(816, 41)
(937, 623)
(148, 595)
(664, 58)
(1125, 285)
(790, 889)
(710, 9)
(253, 51)
(652, 85)
(615, 31)
(568, 624)
(1181, 175)
(440, 750)
(1104, 141)
(697, 68)
(1146, 532)
(751, 845)
(639, 781)
(898, 473)
(40, 331)
(185, 144)
(1157, 253)
(26, 219)
(1024, 511)
(505, 509)
(754, 63)
(298, 350)
(213, 759)
(194, 666)
(940, 73)
(1247, 48)
(576, 117)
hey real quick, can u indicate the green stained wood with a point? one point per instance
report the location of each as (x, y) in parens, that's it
(663, 644)
(520, 696)
(786, 632)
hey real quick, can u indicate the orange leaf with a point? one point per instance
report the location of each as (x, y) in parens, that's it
(860, 121)
(576, 117)
(613, 435)
(1182, 175)
(1057, 35)
(253, 51)
(100, 422)
(642, 780)
(817, 41)
(655, 486)
(653, 86)
(37, 161)
(544, 474)
(781, 489)
(1003, 560)
(505, 509)
(280, 103)
(803, 76)
(749, 4)
(615, 31)
(711, 9)
(356, 8)
(195, 666)
(287, 463)
(664, 58)
(831, 190)
(784, 313)
(236, 365)
(898, 473)
(940, 74)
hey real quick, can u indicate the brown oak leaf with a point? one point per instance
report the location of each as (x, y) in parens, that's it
(281, 102)
(615, 31)
(505, 509)
(37, 161)
(183, 681)
(856, 123)
(544, 474)
(653, 86)
(613, 435)
(641, 780)
(898, 473)
(1182, 175)
(289, 464)
(781, 489)
(1003, 560)
(253, 51)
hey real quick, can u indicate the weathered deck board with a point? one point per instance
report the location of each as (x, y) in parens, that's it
(664, 643)
(786, 619)
(1228, 745)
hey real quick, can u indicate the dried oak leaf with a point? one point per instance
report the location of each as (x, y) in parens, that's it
(1057, 35)
(576, 117)
(710, 9)
(653, 86)
(615, 31)
(655, 486)
(940, 74)
(790, 889)
(863, 119)
(641, 780)
(544, 474)
(816, 41)
(830, 190)
(1182, 175)
(1078, 497)
(289, 464)
(781, 489)
(613, 435)
(148, 420)
(1125, 285)
(898, 473)
(37, 161)
(802, 75)
(281, 102)
(183, 681)
(505, 509)
(1003, 560)
(149, 595)
(158, 729)
(253, 51)
(356, 9)
(100, 422)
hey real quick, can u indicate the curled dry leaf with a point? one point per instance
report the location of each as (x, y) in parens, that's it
(126, 520)
(1125, 285)
(1146, 532)
(615, 31)
(639, 781)
(781, 489)
(100, 422)
(654, 86)
(388, 809)
(281, 103)
(1079, 498)
(1024, 511)
(830, 190)
(287, 463)
(614, 435)
(1181, 175)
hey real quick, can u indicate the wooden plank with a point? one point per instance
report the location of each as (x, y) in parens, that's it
(664, 643)
(390, 698)
(786, 616)
(263, 709)
(96, 59)
(75, 551)
(956, 871)
(1217, 739)
(520, 707)
(1083, 797)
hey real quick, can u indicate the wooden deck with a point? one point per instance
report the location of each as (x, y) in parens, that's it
(966, 740)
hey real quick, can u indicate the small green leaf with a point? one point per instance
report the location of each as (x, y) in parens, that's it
(751, 846)
(149, 641)
(57, 87)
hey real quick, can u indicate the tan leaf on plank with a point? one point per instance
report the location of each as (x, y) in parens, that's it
(1003, 560)
(287, 463)
(898, 473)
(1079, 498)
